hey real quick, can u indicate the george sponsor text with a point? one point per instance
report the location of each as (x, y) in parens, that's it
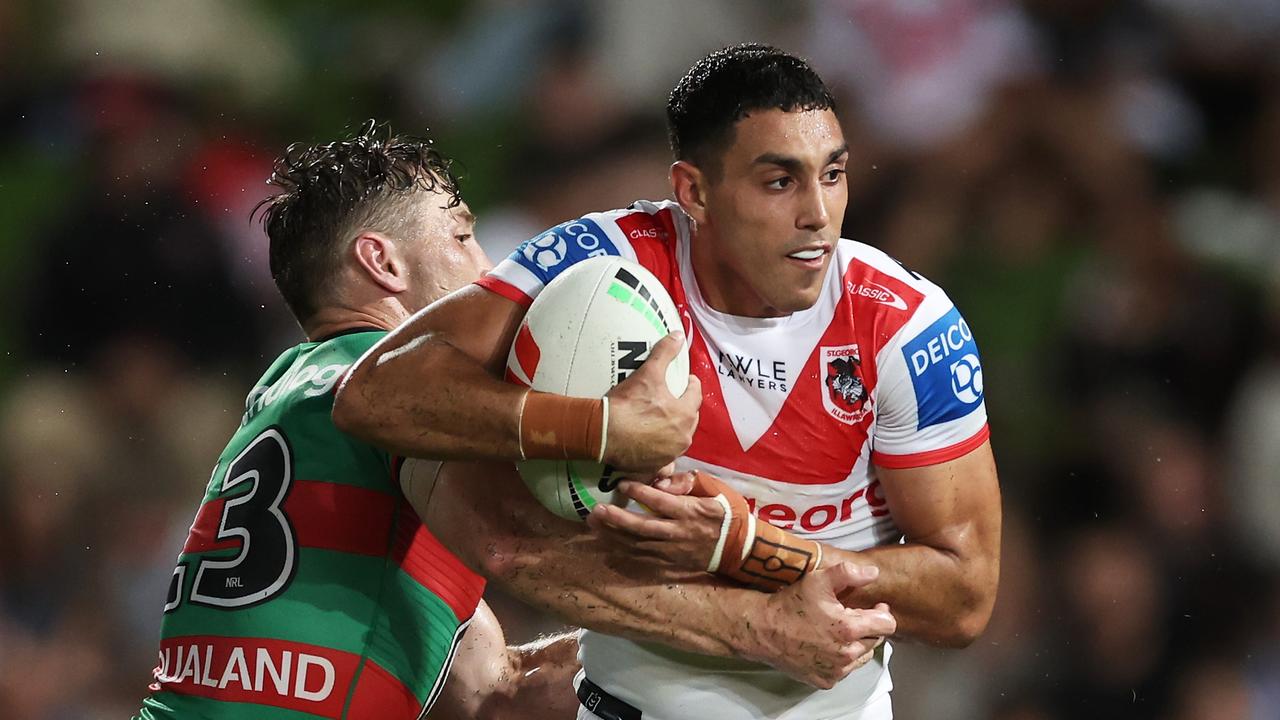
(819, 517)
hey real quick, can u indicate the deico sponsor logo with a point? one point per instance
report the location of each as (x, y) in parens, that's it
(877, 293)
(552, 252)
(951, 339)
(545, 251)
(945, 370)
(818, 517)
(966, 379)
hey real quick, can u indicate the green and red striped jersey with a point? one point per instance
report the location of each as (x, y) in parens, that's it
(307, 587)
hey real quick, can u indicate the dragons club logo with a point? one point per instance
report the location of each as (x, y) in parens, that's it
(844, 392)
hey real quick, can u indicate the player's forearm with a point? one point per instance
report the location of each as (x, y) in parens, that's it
(555, 565)
(559, 575)
(939, 596)
(422, 397)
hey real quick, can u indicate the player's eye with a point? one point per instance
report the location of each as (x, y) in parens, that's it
(832, 176)
(781, 183)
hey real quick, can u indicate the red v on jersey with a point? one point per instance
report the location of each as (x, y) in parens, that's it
(817, 434)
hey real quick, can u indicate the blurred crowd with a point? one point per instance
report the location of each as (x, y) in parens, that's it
(1095, 182)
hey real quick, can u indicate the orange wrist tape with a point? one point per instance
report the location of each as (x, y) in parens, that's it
(754, 553)
(555, 427)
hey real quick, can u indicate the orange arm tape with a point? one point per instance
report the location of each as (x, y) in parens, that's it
(555, 427)
(754, 553)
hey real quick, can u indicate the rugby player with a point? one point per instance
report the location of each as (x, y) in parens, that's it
(308, 587)
(843, 412)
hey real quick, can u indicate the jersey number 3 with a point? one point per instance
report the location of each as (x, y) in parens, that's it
(268, 546)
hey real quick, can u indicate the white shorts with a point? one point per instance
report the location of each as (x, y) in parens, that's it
(880, 708)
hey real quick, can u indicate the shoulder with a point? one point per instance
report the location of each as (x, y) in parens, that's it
(873, 271)
(888, 300)
(645, 232)
(929, 375)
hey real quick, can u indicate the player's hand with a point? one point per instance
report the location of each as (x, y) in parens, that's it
(648, 426)
(680, 529)
(807, 633)
(680, 483)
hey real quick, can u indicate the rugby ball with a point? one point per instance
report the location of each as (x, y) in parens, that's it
(586, 331)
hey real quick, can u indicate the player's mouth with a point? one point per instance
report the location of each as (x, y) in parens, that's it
(810, 257)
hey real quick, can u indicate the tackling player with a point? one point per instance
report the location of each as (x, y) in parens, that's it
(308, 587)
(843, 400)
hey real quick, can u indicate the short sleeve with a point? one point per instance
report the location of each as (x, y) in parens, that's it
(929, 403)
(539, 260)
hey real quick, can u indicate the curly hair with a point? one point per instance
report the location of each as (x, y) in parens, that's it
(330, 192)
(726, 86)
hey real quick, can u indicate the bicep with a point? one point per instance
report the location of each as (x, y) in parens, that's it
(953, 506)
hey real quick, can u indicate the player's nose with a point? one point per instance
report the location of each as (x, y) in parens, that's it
(812, 214)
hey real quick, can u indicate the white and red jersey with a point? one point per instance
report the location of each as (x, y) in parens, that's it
(797, 413)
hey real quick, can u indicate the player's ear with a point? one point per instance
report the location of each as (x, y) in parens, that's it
(380, 260)
(690, 187)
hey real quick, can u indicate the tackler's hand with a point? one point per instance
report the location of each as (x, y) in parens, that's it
(808, 634)
(679, 529)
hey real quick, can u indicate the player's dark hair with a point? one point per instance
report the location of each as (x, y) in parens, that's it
(726, 86)
(331, 191)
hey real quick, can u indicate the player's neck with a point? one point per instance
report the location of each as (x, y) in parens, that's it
(329, 321)
(721, 288)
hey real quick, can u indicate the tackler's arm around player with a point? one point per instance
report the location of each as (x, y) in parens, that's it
(558, 566)
(432, 389)
(941, 581)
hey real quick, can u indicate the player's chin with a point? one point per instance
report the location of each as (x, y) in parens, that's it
(798, 297)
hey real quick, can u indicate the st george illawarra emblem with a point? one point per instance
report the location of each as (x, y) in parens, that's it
(844, 391)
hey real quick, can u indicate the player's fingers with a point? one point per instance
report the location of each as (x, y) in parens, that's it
(679, 484)
(693, 393)
(661, 503)
(858, 654)
(664, 351)
(616, 518)
(652, 478)
(875, 623)
(666, 471)
(845, 575)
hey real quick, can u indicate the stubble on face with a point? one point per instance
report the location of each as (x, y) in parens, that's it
(441, 249)
(773, 213)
